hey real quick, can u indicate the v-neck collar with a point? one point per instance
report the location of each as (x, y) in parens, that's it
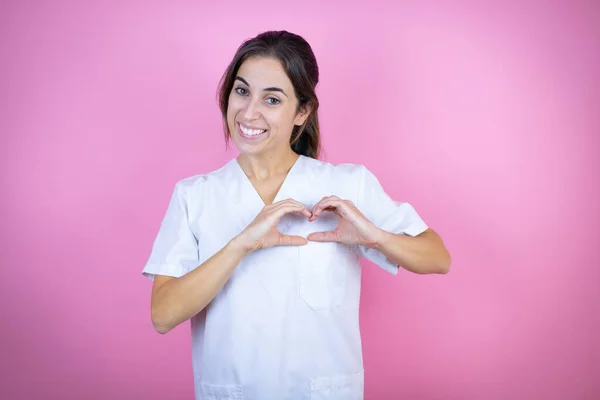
(282, 189)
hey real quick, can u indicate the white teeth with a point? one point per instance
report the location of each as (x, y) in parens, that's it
(252, 132)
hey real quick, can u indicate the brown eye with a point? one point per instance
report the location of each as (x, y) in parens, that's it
(241, 91)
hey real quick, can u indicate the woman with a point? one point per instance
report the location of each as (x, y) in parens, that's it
(263, 254)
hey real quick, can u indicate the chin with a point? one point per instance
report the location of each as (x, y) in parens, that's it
(246, 148)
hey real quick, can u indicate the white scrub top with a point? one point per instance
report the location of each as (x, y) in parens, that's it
(286, 324)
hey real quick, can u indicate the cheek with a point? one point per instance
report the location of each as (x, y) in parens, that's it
(235, 103)
(232, 110)
(282, 118)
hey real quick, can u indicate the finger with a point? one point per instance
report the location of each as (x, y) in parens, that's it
(326, 198)
(289, 208)
(330, 236)
(286, 240)
(320, 201)
(330, 205)
(317, 206)
(287, 202)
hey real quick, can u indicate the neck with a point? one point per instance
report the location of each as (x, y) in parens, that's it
(265, 166)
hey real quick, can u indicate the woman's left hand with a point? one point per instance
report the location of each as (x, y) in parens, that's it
(353, 227)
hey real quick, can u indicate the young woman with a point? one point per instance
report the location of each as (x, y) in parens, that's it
(263, 254)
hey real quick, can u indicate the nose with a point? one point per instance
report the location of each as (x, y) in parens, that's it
(252, 112)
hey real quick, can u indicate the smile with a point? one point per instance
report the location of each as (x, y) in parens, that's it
(250, 133)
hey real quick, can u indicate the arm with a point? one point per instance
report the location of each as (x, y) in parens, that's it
(421, 254)
(175, 300)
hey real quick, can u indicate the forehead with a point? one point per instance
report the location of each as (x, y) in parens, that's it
(264, 72)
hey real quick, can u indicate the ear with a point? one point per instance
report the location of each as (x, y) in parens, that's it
(303, 114)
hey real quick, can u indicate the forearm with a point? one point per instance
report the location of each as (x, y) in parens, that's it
(422, 254)
(178, 300)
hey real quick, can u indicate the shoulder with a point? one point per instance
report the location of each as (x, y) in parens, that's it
(345, 179)
(339, 170)
(195, 184)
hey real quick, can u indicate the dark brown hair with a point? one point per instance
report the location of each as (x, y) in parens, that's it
(299, 62)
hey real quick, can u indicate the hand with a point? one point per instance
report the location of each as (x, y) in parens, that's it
(262, 233)
(353, 227)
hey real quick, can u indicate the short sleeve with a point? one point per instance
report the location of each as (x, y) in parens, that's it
(386, 213)
(175, 248)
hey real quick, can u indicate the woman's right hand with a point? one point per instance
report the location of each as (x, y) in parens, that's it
(262, 233)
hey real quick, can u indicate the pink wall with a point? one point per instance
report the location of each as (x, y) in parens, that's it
(485, 117)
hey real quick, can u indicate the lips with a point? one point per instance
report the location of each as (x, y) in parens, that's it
(250, 132)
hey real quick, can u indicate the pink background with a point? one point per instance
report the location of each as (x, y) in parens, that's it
(484, 116)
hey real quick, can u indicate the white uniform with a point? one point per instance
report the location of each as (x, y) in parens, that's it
(285, 325)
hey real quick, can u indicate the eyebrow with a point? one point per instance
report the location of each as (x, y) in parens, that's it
(269, 89)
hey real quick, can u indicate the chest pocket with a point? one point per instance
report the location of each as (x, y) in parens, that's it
(322, 266)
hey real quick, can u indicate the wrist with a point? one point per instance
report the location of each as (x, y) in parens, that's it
(236, 246)
(380, 238)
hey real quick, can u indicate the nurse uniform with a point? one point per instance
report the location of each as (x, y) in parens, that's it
(286, 324)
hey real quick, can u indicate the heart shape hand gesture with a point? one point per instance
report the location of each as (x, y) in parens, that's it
(353, 227)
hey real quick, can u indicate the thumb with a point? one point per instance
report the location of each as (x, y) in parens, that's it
(286, 240)
(323, 237)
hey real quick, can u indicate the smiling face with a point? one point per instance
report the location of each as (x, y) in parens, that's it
(263, 107)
